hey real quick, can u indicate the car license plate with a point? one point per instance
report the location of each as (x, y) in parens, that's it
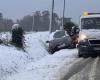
(97, 48)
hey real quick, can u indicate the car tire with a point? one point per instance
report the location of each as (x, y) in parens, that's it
(53, 50)
(79, 53)
(72, 46)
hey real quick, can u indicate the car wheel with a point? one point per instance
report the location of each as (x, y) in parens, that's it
(72, 46)
(53, 50)
(79, 53)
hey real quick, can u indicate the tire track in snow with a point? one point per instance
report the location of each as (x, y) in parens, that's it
(92, 73)
(97, 72)
(82, 74)
(76, 67)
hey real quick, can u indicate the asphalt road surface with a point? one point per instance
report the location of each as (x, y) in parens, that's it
(84, 69)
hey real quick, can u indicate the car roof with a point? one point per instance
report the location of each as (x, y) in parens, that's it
(91, 16)
(53, 33)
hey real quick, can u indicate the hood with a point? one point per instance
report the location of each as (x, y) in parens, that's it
(91, 33)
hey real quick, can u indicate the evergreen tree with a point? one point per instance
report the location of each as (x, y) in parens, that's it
(17, 35)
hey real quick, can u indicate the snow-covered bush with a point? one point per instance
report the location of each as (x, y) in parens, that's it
(17, 35)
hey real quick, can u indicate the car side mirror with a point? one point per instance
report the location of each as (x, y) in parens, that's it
(47, 41)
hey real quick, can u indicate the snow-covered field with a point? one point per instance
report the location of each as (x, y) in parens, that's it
(36, 63)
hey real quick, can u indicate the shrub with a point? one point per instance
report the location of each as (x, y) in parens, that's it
(17, 35)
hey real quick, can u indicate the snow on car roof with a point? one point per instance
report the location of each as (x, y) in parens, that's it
(91, 16)
(52, 34)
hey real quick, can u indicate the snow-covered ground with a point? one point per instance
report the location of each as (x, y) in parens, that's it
(36, 63)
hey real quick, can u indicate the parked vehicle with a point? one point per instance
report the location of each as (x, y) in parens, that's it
(89, 35)
(59, 40)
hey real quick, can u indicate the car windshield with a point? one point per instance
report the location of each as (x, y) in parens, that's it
(90, 23)
(59, 34)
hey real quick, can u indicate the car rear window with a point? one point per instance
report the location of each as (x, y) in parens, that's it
(59, 34)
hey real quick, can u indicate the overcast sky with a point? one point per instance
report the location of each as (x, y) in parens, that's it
(16, 9)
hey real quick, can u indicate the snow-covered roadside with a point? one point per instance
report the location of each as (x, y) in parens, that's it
(35, 45)
(48, 67)
(13, 60)
(36, 63)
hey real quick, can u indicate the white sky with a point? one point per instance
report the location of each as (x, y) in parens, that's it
(16, 9)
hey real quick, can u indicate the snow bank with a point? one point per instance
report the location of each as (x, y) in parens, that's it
(13, 60)
(47, 68)
(35, 63)
(5, 36)
(35, 45)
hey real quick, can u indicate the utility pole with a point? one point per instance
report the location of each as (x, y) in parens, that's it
(63, 16)
(51, 18)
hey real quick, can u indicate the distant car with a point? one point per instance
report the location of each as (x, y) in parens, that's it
(59, 40)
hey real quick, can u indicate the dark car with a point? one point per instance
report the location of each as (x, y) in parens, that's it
(59, 40)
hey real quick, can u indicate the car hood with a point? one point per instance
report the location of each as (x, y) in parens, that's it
(91, 33)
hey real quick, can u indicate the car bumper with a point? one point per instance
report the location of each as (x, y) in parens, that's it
(90, 49)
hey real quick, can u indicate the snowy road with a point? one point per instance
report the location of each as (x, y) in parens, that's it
(84, 69)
